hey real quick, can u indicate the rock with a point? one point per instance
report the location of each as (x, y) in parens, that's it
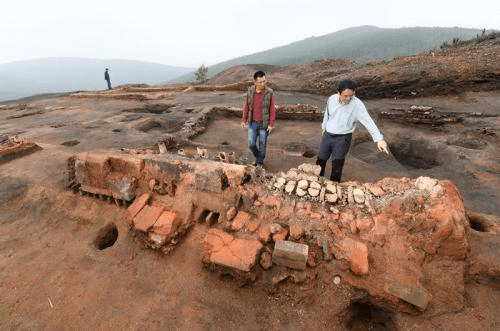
(280, 235)
(162, 148)
(296, 232)
(315, 185)
(310, 168)
(322, 194)
(266, 260)
(376, 190)
(275, 228)
(311, 178)
(280, 183)
(339, 193)
(350, 195)
(265, 234)
(327, 255)
(290, 254)
(359, 196)
(429, 184)
(331, 188)
(231, 213)
(292, 174)
(313, 192)
(290, 186)
(300, 192)
(302, 184)
(331, 198)
(414, 295)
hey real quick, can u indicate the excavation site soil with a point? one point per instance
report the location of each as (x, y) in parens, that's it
(70, 259)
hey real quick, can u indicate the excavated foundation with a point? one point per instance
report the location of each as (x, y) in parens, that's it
(401, 241)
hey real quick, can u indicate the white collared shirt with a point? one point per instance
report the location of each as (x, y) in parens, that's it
(342, 119)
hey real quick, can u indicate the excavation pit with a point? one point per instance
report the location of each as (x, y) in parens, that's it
(415, 154)
(106, 237)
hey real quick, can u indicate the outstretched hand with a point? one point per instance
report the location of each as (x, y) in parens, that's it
(382, 146)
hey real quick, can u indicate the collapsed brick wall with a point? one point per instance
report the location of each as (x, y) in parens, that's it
(402, 240)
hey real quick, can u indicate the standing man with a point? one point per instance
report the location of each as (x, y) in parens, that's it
(259, 115)
(343, 112)
(106, 78)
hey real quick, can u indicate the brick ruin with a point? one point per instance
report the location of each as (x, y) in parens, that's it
(12, 147)
(403, 241)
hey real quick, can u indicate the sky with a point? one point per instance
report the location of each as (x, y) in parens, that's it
(190, 33)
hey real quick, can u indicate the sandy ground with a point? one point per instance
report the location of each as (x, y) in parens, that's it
(53, 278)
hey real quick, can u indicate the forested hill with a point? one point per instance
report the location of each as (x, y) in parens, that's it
(360, 44)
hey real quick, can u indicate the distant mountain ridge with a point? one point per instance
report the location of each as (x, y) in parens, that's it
(65, 74)
(361, 44)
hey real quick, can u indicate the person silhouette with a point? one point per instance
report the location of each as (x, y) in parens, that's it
(106, 78)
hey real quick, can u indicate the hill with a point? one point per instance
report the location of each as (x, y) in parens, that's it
(461, 66)
(359, 44)
(47, 75)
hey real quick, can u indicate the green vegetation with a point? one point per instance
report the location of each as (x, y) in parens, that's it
(201, 74)
(479, 38)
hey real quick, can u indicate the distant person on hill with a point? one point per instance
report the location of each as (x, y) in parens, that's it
(343, 112)
(106, 78)
(259, 116)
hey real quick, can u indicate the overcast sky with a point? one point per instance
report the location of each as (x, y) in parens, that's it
(194, 32)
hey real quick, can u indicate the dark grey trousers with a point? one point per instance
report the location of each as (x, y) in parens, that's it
(334, 146)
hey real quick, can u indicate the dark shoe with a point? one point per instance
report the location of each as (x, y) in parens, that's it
(322, 164)
(337, 166)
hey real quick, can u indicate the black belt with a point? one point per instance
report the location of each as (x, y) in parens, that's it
(338, 135)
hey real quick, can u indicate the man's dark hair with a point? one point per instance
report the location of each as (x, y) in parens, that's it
(347, 84)
(258, 74)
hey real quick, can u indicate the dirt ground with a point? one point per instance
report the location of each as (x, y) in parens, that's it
(52, 277)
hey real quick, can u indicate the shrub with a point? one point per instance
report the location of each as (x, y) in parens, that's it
(201, 74)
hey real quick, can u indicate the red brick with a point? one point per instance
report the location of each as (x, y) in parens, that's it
(147, 217)
(137, 206)
(335, 230)
(253, 226)
(265, 233)
(280, 235)
(223, 249)
(355, 253)
(296, 231)
(166, 224)
(376, 190)
(241, 220)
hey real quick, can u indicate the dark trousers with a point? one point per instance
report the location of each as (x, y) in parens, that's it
(334, 146)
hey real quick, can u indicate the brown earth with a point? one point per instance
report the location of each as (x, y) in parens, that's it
(52, 277)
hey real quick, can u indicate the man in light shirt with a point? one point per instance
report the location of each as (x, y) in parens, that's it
(342, 114)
